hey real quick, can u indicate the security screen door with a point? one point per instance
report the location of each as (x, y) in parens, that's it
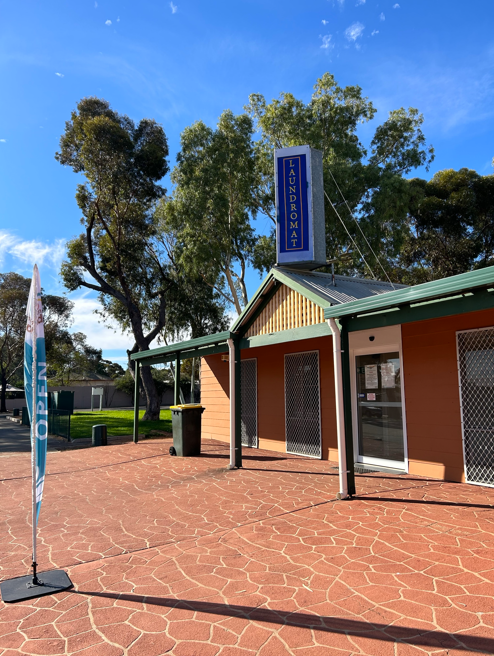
(476, 373)
(302, 404)
(379, 408)
(248, 396)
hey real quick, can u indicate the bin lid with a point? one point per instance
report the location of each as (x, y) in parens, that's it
(186, 405)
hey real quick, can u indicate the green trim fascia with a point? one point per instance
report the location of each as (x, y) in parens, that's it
(301, 289)
(268, 280)
(189, 345)
(460, 284)
(479, 300)
(186, 355)
(292, 335)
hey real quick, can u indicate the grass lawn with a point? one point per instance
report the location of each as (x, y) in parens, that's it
(119, 422)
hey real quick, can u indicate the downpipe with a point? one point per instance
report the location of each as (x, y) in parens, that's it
(340, 410)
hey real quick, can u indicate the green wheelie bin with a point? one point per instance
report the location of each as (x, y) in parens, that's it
(186, 426)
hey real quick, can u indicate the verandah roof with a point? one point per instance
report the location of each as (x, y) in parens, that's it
(466, 292)
(191, 348)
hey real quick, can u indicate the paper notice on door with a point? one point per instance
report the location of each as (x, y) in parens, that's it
(371, 381)
(371, 396)
(388, 374)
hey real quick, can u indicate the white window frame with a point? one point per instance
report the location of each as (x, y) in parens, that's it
(387, 340)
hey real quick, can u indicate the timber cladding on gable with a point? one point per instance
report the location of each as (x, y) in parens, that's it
(286, 310)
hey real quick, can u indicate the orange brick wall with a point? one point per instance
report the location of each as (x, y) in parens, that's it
(270, 394)
(432, 395)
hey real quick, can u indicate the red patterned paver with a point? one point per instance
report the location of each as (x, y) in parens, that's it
(183, 557)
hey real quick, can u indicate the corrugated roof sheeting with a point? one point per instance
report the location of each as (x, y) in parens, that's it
(346, 289)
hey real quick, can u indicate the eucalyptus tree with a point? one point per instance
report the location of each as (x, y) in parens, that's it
(118, 254)
(217, 187)
(367, 184)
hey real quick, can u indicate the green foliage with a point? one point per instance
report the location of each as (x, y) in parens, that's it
(123, 253)
(57, 314)
(216, 192)
(451, 226)
(119, 422)
(162, 378)
(372, 182)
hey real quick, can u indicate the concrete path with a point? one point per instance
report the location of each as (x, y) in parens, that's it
(15, 438)
(181, 556)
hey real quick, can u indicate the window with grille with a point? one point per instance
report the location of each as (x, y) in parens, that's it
(248, 395)
(302, 404)
(476, 374)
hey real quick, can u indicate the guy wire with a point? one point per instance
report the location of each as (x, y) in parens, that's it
(359, 227)
(347, 232)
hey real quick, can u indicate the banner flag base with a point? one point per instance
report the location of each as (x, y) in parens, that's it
(22, 588)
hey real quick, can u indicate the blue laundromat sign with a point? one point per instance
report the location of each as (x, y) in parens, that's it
(300, 227)
(294, 212)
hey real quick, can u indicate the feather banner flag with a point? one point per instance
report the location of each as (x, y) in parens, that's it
(36, 390)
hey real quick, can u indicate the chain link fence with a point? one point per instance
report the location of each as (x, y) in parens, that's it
(476, 372)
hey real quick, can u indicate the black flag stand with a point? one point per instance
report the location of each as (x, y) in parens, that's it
(30, 586)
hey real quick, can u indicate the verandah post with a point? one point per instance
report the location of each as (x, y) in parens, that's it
(176, 400)
(347, 400)
(137, 391)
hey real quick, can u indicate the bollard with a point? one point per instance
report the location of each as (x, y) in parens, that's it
(100, 435)
(15, 412)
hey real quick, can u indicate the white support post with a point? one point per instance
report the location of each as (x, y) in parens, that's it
(340, 410)
(231, 366)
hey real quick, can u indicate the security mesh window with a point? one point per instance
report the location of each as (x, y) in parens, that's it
(476, 366)
(302, 408)
(248, 387)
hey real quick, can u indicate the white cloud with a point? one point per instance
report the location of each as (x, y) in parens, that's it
(3, 140)
(326, 42)
(118, 19)
(96, 5)
(108, 22)
(31, 252)
(324, 22)
(382, 16)
(355, 31)
(98, 334)
(396, 6)
(360, 2)
(59, 74)
(374, 32)
(174, 8)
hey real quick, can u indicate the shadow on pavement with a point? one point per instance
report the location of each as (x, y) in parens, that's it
(374, 631)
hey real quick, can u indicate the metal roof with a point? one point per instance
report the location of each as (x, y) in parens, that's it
(344, 290)
(318, 287)
(428, 291)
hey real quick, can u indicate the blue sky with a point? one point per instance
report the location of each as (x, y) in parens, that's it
(185, 60)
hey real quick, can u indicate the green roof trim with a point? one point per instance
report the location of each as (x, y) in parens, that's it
(428, 291)
(189, 349)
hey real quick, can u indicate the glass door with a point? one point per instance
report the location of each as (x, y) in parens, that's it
(379, 409)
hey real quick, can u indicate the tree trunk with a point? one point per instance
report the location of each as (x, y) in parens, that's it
(3, 394)
(153, 400)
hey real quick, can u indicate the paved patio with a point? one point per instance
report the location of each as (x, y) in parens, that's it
(183, 557)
